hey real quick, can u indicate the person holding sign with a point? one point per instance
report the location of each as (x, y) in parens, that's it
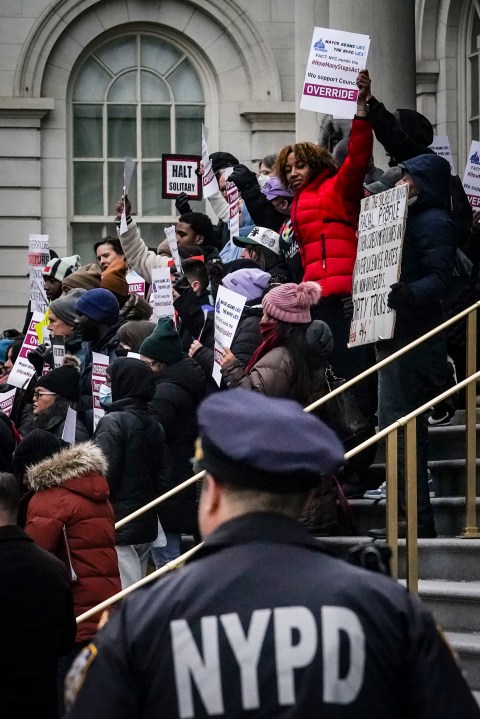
(428, 255)
(324, 216)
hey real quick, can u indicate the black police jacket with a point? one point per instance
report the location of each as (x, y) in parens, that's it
(263, 623)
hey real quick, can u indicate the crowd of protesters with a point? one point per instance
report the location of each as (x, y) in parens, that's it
(293, 264)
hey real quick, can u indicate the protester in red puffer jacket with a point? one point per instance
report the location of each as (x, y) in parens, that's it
(71, 491)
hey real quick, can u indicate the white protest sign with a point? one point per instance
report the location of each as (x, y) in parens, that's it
(381, 229)
(136, 283)
(22, 371)
(171, 236)
(162, 297)
(336, 57)
(209, 181)
(233, 199)
(179, 175)
(99, 372)
(228, 309)
(58, 350)
(6, 401)
(38, 257)
(441, 146)
(128, 170)
(70, 426)
(471, 177)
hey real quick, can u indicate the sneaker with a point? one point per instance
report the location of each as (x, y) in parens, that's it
(381, 492)
(441, 415)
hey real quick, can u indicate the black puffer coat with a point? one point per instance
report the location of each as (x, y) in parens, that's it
(133, 443)
(179, 389)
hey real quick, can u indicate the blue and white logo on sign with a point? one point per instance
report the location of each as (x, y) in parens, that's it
(320, 46)
(475, 159)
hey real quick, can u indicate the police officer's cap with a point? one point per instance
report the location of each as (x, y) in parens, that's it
(263, 443)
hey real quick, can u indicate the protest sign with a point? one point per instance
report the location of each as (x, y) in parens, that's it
(58, 350)
(99, 372)
(441, 147)
(233, 199)
(133, 355)
(38, 257)
(209, 181)
(128, 170)
(171, 236)
(336, 57)
(6, 401)
(162, 298)
(22, 371)
(136, 283)
(381, 229)
(228, 308)
(70, 426)
(179, 175)
(471, 177)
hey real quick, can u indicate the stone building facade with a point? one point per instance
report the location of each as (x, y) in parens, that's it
(85, 82)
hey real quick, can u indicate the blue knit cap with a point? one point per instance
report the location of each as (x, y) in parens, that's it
(99, 305)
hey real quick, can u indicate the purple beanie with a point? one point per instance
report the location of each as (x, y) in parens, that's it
(251, 282)
(291, 302)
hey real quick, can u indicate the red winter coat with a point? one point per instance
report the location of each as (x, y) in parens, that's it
(71, 491)
(325, 216)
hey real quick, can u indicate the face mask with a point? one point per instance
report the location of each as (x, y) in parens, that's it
(263, 179)
(105, 395)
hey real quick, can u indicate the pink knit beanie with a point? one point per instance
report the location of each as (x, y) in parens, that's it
(291, 302)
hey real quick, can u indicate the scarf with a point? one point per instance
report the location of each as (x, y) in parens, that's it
(268, 330)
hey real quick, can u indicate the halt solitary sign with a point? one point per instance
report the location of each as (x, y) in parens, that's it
(179, 175)
(381, 229)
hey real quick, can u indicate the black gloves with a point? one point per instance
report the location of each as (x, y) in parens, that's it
(347, 306)
(243, 178)
(38, 357)
(400, 296)
(182, 204)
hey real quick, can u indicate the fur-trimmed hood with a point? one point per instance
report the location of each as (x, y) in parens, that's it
(71, 465)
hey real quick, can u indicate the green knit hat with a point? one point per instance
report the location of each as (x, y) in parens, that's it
(163, 344)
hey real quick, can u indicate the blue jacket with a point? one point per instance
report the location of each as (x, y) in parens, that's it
(429, 246)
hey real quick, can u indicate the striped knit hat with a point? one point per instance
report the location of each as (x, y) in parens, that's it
(61, 267)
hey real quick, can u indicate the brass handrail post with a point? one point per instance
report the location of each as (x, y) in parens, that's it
(392, 498)
(471, 528)
(411, 504)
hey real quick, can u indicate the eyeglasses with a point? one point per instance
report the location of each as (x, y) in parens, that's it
(38, 394)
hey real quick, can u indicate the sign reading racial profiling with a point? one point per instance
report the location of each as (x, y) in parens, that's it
(38, 257)
(228, 308)
(162, 297)
(381, 228)
(336, 57)
(471, 177)
(441, 147)
(22, 371)
(179, 175)
(99, 374)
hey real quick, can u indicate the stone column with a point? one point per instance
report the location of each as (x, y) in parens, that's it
(391, 59)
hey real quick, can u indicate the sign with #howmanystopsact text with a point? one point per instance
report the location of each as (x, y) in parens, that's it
(381, 229)
(336, 57)
(228, 308)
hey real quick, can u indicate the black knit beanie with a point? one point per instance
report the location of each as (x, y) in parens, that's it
(64, 381)
(164, 344)
(222, 160)
(36, 446)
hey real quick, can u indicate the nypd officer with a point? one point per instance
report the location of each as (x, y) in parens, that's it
(262, 622)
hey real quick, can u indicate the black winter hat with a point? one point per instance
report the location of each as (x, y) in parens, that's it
(131, 378)
(222, 160)
(416, 126)
(64, 381)
(36, 446)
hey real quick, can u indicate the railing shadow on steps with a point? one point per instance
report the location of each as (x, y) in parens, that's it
(390, 433)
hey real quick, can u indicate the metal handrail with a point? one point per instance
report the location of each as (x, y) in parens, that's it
(346, 385)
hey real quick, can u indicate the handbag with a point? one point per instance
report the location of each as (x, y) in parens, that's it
(342, 413)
